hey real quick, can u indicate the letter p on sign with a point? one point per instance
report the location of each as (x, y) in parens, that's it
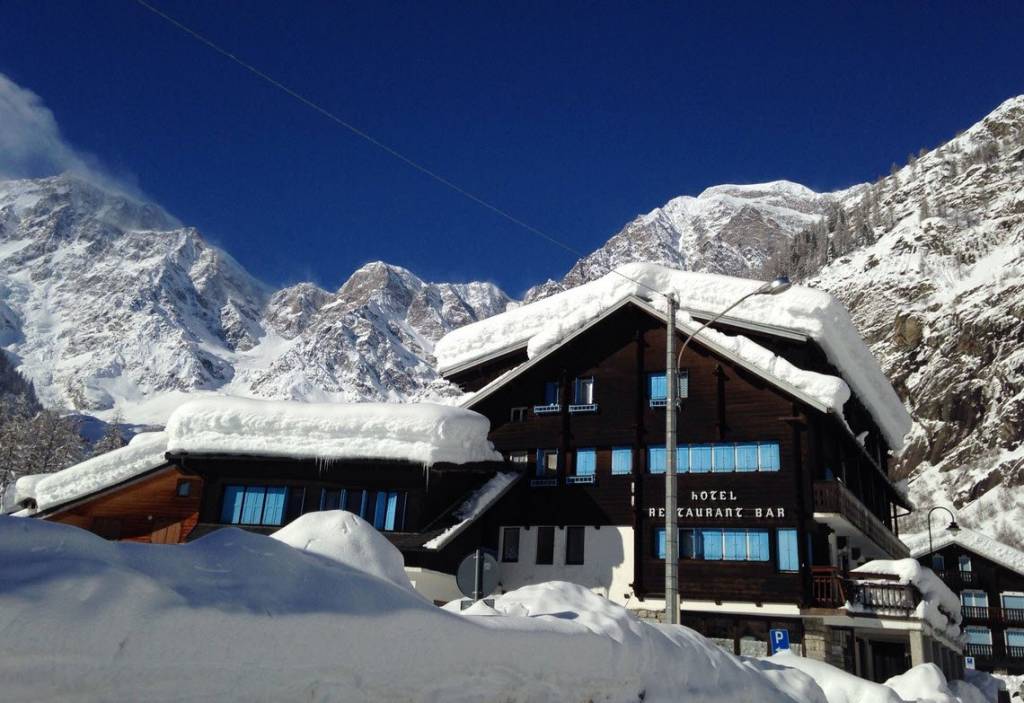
(779, 640)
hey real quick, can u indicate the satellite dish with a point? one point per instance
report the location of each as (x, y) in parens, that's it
(477, 575)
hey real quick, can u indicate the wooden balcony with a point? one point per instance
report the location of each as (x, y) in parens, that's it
(975, 612)
(978, 650)
(834, 497)
(827, 587)
(875, 594)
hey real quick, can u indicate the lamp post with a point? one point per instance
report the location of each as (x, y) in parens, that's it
(672, 361)
(953, 528)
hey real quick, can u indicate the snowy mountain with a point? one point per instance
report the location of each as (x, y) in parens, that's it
(108, 302)
(929, 260)
(729, 229)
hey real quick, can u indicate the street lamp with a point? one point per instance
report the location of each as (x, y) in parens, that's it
(952, 528)
(672, 360)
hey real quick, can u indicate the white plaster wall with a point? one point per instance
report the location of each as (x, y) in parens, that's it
(607, 566)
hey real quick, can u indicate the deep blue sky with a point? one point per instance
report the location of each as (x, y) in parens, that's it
(573, 116)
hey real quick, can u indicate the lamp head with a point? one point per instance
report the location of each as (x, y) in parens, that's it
(779, 285)
(953, 528)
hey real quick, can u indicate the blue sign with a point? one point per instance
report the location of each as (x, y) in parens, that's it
(969, 663)
(778, 639)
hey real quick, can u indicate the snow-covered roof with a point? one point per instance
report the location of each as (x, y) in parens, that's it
(143, 453)
(937, 600)
(983, 546)
(420, 432)
(473, 507)
(546, 323)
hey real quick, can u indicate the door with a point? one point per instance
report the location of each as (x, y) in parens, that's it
(166, 533)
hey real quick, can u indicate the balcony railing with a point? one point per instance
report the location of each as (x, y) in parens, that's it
(975, 612)
(1011, 616)
(543, 482)
(827, 587)
(549, 409)
(978, 650)
(834, 497)
(1014, 652)
(583, 408)
(570, 480)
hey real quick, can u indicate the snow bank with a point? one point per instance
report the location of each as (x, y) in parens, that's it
(239, 616)
(924, 683)
(976, 542)
(419, 432)
(144, 452)
(936, 599)
(475, 506)
(347, 539)
(804, 310)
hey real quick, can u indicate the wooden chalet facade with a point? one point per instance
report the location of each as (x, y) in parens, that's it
(989, 578)
(778, 498)
(174, 496)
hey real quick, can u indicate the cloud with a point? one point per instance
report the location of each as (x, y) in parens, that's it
(31, 145)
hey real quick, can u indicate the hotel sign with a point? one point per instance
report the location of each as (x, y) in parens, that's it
(719, 505)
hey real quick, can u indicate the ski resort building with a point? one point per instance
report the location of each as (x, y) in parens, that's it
(988, 577)
(786, 429)
(419, 473)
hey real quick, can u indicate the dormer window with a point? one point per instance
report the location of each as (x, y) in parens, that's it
(657, 388)
(583, 396)
(551, 403)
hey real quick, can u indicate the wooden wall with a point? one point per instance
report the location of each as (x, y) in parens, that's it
(145, 510)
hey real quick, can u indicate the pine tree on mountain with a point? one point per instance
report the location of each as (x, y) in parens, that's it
(112, 437)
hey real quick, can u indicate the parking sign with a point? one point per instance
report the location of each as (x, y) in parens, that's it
(778, 639)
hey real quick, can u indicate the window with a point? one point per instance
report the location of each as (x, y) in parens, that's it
(657, 388)
(657, 460)
(510, 544)
(519, 457)
(768, 456)
(583, 391)
(1015, 642)
(1012, 601)
(545, 544)
(586, 462)
(622, 461)
(718, 544)
(658, 542)
(332, 499)
(746, 456)
(965, 562)
(517, 415)
(978, 635)
(724, 457)
(574, 537)
(547, 462)
(296, 501)
(938, 562)
(253, 505)
(551, 402)
(974, 599)
(701, 458)
(789, 557)
(184, 489)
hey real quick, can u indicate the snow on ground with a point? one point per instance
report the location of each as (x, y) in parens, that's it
(239, 616)
(420, 432)
(474, 507)
(144, 452)
(937, 599)
(803, 310)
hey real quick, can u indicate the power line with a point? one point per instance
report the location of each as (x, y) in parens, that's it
(376, 142)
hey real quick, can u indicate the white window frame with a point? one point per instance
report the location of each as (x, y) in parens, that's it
(518, 413)
(973, 591)
(976, 628)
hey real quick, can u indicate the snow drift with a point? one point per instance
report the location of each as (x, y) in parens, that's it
(420, 432)
(240, 616)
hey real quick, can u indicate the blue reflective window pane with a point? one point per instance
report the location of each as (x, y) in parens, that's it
(724, 457)
(379, 508)
(700, 458)
(659, 542)
(622, 460)
(231, 510)
(683, 459)
(1013, 602)
(686, 544)
(711, 544)
(788, 558)
(273, 508)
(657, 387)
(746, 456)
(586, 462)
(1015, 638)
(252, 507)
(551, 392)
(978, 635)
(656, 460)
(769, 456)
(757, 545)
(735, 545)
(392, 511)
